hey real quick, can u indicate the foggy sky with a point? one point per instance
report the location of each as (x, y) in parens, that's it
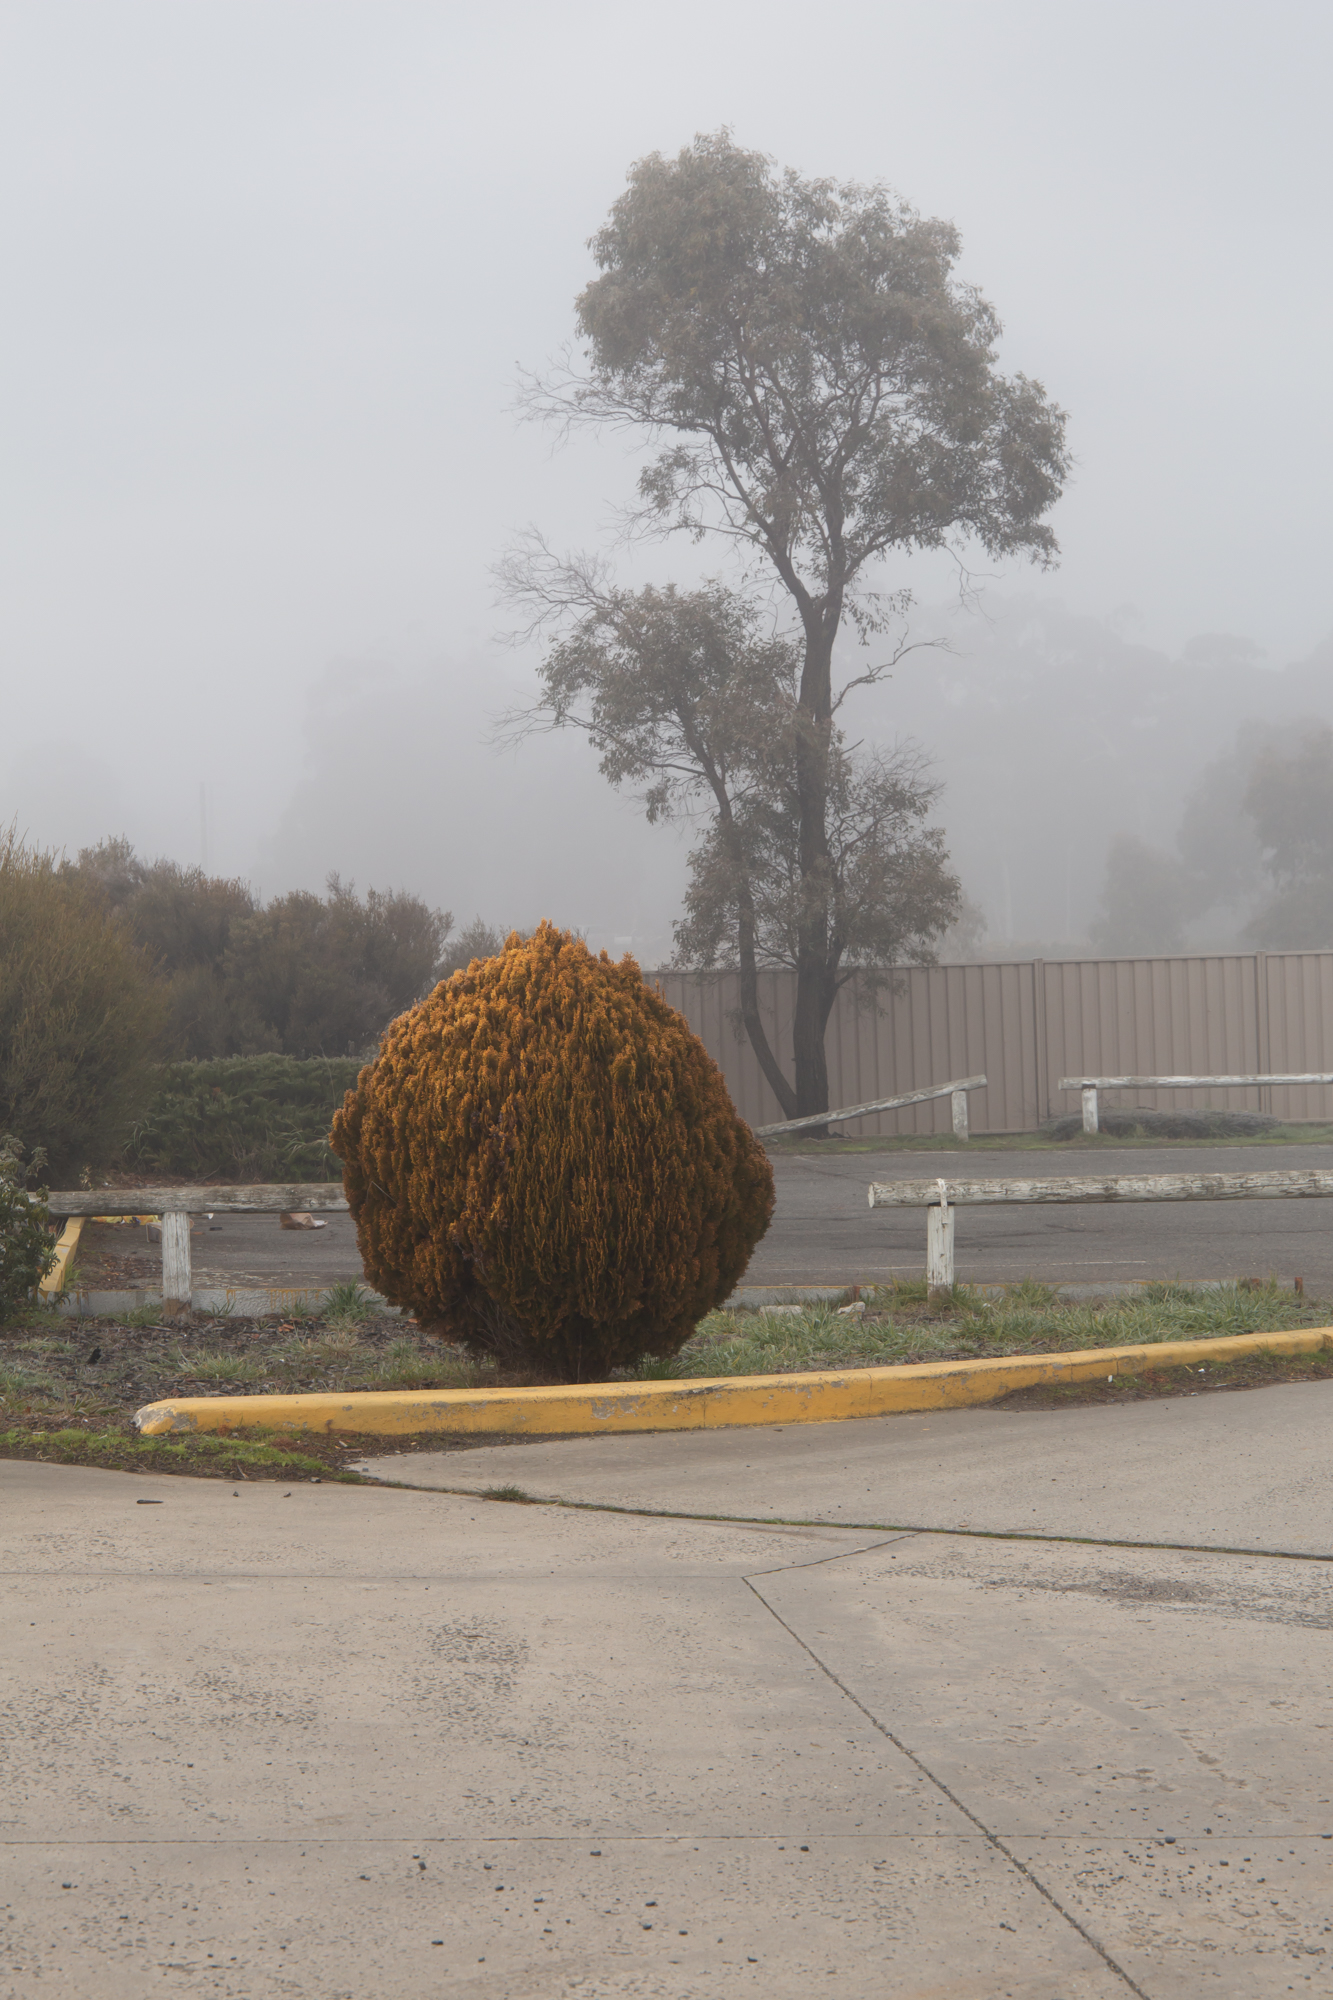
(271, 267)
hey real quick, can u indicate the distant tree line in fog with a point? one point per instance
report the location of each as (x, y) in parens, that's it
(111, 966)
(1254, 852)
(302, 975)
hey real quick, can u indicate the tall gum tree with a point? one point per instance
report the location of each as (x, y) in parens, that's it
(823, 391)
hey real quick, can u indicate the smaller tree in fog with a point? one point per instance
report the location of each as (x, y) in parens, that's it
(1289, 800)
(1146, 899)
(693, 699)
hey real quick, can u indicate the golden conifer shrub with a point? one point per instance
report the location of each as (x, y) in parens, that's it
(544, 1163)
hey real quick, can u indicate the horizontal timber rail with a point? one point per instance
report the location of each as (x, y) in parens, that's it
(957, 1090)
(1090, 1085)
(316, 1196)
(176, 1205)
(939, 1198)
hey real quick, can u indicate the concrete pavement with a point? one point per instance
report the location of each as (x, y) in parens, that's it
(1247, 1469)
(350, 1741)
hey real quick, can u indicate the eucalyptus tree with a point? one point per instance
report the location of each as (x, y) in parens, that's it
(822, 390)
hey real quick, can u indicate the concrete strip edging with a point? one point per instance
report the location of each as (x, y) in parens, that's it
(714, 1402)
(231, 1302)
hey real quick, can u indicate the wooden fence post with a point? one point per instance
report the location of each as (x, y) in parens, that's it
(939, 1249)
(1090, 1108)
(177, 1280)
(958, 1100)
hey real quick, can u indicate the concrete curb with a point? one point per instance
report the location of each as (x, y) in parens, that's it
(710, 1403)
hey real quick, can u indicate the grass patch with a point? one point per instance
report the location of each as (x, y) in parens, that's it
(513, 1494)
(69, 1388)
(1251, 1371)
(900, 1325)
(206, 1455)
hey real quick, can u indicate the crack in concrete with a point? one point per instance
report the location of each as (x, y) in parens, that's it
(859, 1527)
(992, 1838)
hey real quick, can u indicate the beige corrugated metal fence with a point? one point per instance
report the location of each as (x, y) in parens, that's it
(1027, 1024)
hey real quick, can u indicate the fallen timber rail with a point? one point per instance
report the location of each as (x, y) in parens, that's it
(939, 1198)
(1090, 1085)
(176, 1205)
(957, 1090)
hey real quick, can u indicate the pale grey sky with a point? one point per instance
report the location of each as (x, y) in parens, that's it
(271, 265)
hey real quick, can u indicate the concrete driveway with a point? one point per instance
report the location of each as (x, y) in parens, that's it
(346, 1741)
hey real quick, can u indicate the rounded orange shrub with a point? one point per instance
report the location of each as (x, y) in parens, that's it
(544, 1163)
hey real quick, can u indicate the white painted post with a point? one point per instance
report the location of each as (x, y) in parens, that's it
(959, 1103)
(1090, 1108)
(939, 1250)
(177, 1280)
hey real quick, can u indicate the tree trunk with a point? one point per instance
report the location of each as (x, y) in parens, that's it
(813, 730)
(745, 941)
(759, 1042)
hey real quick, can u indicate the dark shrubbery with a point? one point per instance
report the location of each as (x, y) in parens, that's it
(305, 976)
(26, 1250)
(544, 1162)
(325, 975)
(248, 1118)
(81, 1016)
(1145, 1124)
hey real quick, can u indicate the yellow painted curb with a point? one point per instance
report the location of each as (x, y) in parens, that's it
(704, 1404)
(66, 1244)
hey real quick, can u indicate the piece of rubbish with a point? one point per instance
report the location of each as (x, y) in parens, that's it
(148, 1503)
(299, 1218)
(856, 1306)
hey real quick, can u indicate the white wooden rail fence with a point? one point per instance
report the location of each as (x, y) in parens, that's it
(1090, 1085)
(957, 1090)
(177, 1205)
(939, 1198)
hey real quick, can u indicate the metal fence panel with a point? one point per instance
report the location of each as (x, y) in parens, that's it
(1027, 1023)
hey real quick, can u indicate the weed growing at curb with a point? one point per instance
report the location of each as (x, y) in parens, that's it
(348, 1305)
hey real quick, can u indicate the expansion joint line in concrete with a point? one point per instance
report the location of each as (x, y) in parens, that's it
(992, 1838)
(886, 1528)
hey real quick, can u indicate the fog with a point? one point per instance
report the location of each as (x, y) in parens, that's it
(272, 267)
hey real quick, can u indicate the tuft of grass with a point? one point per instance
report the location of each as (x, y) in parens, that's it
(347, 1305)
(514, 1494)
(141, 1319)
(222, 1368)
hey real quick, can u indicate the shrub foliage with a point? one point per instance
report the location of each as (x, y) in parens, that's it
(245, 1118)
(544, 1163)
(304, 976)
(26, 1250)
(81, 1017)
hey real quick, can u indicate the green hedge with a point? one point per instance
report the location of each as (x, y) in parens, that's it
(244, 1118)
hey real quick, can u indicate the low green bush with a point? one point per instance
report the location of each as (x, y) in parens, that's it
(26, 1250)
(244, 1118)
